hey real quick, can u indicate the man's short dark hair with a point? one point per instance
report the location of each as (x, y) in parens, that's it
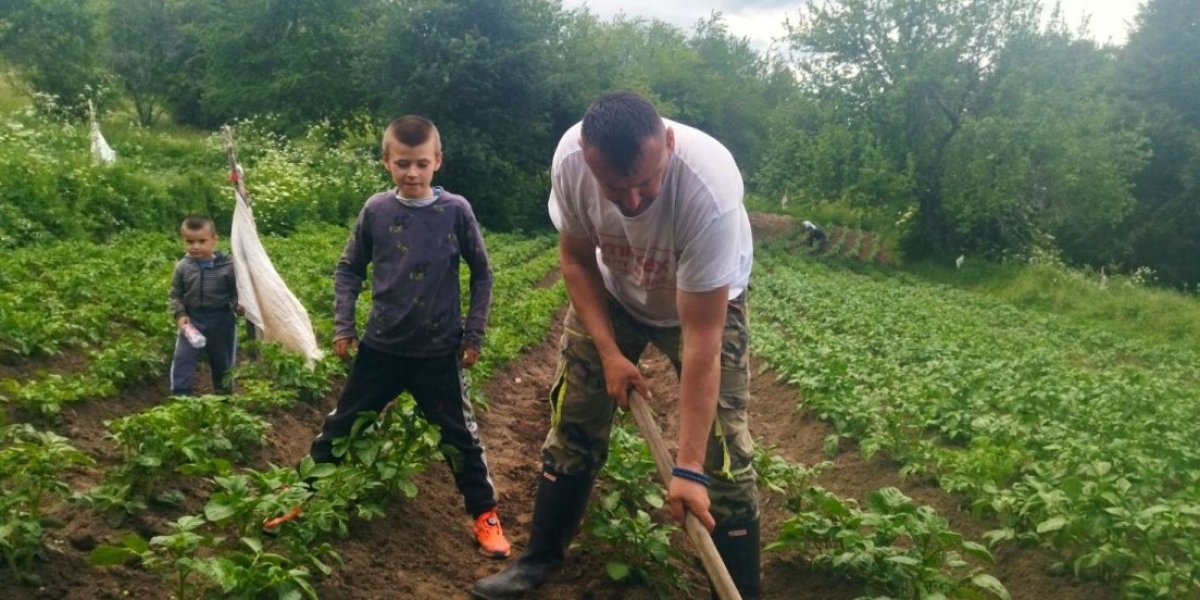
(197, 223)
(410, 130)
(616, 125)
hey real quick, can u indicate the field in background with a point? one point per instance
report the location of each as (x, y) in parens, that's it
(1062, 421)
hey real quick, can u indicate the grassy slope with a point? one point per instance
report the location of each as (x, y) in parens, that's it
(10, 98)
(1121, 306)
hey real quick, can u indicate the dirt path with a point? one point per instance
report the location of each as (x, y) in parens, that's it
(424, 551)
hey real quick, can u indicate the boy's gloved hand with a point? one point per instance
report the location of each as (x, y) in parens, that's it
(470, 356)
(345, 347)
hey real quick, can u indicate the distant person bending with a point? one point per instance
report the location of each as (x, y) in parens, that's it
(203, 299)
(816, 236)
(416, 339)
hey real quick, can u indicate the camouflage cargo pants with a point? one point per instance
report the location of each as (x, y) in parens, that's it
(582, 411)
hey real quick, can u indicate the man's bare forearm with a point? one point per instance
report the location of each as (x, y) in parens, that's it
(585, 287)
(702, 319)
(699, 384)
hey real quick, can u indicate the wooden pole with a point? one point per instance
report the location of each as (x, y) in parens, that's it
(236, 176)
(713, 565)
(235, 169)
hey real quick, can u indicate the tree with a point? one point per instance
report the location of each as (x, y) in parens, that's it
(728, 96)
(146, 49)
(482, 70)
(1160, 73)
(711, 79)
(912, 71)
(287, 59)
(1001, 134)
(1045, 154)
(53, 45)
(812, 156)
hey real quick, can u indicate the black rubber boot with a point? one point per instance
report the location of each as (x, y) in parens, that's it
(557, 511)
(738, 545)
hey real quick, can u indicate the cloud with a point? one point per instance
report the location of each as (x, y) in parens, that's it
(1108, 20)
(685, 12)
(739, 6)
(762, 20)
(758, 20)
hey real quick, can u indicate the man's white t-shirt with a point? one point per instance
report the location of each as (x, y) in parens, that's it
(694, 237)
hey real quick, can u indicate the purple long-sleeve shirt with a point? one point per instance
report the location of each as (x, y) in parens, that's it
(416, 251)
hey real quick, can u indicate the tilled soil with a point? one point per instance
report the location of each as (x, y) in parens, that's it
(423, 549)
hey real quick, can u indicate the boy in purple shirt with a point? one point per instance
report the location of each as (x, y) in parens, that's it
(415, 339)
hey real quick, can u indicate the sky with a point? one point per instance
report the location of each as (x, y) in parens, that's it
(762, 20)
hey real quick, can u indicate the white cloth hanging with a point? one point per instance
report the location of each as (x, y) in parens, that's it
(101, 151)
(266, 299)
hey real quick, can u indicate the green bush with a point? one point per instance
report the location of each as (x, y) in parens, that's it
(54, 190)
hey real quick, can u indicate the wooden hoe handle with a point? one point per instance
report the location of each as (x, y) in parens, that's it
(713, 565)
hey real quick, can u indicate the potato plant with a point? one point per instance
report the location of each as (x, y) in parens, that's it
(1074, 437)
(620, 524)
(903, 550)
(192, 434)
(32, 463)
(225, 552)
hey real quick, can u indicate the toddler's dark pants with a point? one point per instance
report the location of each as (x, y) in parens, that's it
(219, 326)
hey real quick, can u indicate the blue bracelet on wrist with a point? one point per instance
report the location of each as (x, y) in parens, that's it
(690, 475)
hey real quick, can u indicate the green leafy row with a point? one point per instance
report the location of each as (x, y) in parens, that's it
(901, 549)
(1076, 438)
(159, 443)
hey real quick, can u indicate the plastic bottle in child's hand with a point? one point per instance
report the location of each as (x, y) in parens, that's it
(194, 337)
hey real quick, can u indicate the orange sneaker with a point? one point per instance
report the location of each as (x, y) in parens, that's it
(269, 524)
(490, 535)
(291, 515)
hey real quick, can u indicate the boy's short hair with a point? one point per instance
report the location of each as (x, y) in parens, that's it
(617, 124)
(196, 223)
(410, 130)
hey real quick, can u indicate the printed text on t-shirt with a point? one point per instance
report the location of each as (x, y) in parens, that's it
(652, 268)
